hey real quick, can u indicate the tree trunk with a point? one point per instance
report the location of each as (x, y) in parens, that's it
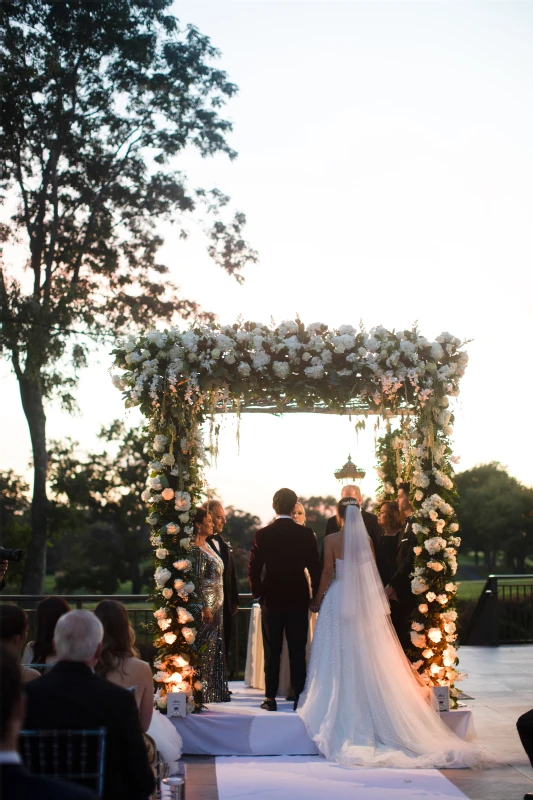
(135, 566)
(32, 403)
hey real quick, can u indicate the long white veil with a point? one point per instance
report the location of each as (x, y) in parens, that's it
(363, 595)
(362, 704)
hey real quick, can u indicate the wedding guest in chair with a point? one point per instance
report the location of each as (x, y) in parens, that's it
(13, 635)
(71, 696)
(16, 782)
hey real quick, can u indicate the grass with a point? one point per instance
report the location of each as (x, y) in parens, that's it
(470, 590)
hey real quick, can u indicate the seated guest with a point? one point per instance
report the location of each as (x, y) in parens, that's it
(13, 635)
(119, 660)
(70, 695)
(119, 663)
(41, 650)
(16, 783)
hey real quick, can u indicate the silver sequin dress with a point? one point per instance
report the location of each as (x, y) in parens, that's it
(209, 642)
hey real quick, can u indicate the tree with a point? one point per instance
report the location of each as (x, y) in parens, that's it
(495, 513)
(105, 539)
(98, 99)
(15, 527)
(240, 531)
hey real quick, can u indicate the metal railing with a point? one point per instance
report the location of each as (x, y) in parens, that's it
(140, 612)
(503, 614)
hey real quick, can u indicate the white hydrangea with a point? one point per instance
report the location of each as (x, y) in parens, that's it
(419, 585)
(418, 639)
(160, 442)
(244, 369)
(281, 369)
(260, 360)
(182, 501)
(316, 371)
(161, 576)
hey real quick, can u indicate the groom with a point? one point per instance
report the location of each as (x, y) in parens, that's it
(284, 549)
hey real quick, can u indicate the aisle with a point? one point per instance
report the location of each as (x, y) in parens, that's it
(313, 778)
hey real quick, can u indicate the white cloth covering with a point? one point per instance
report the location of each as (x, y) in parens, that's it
(290, 778)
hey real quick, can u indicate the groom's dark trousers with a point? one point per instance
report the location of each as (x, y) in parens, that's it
(280, 554)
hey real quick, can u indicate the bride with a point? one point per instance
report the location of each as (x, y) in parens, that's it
(362, 704)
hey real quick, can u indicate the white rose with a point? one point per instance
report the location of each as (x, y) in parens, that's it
(170, 637)
(167, 494)
(423, 608)
(435, 635)
(167, 593)
(183, 518)
(189, 634)
(172, 528)
(161, 552)
(185, 543)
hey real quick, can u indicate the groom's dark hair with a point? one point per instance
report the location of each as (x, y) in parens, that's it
(284, 501)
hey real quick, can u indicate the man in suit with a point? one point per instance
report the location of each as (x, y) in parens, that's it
(16, 783)
(399, 586)
(70, 695)
(375, 531)
(220, 545)
(284, 550)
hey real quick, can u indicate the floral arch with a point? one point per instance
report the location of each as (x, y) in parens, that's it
(182, 380)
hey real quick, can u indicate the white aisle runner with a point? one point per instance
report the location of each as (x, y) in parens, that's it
(313, 778)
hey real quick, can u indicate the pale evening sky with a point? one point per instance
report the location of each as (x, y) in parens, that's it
(385, 167)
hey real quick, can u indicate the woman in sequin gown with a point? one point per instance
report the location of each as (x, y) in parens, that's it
(208, 569)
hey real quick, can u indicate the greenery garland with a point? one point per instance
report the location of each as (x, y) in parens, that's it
(180, 379)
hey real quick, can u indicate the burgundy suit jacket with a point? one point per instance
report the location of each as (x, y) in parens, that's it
(284, 549)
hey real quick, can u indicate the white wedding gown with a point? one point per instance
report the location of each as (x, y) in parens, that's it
(362, 704)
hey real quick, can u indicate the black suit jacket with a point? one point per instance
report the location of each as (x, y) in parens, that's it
(231, 593)
(285, 549)
(375, 531)
(401, 580)
(16, 783)
(70, 695)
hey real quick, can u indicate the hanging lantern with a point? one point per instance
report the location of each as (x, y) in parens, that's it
(349, 472)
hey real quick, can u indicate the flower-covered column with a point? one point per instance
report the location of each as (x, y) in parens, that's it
(433, 629)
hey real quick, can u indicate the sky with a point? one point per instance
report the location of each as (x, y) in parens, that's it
(385, 167)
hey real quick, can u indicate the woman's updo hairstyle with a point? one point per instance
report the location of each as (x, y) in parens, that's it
(199, 517)
(343, 504)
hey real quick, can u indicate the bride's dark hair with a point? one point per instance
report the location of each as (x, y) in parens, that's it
(342, 505)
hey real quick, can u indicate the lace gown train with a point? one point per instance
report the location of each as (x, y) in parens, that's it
(362, 704)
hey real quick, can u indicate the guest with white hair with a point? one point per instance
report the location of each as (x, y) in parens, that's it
(375, 531)
(71, 696)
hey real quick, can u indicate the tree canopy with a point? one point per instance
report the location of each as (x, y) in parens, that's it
(495, 512)
(99, 99)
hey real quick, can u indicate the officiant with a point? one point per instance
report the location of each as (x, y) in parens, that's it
(222, 548)
(375, 531)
